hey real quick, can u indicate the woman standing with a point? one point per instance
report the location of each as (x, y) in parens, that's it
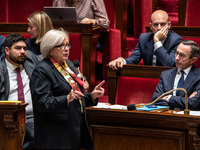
(58, 99)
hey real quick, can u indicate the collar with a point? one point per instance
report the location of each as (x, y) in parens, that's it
(186, 71)
(11, 66)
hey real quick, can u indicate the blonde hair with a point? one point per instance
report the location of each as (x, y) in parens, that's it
(51, 39)
(42, 21)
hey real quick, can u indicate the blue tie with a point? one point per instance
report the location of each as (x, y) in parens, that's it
(180, 82)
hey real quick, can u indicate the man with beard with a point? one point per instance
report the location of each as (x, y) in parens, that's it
(18, 62)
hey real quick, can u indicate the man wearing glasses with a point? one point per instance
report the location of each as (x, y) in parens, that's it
(185, 75)
(156, 48)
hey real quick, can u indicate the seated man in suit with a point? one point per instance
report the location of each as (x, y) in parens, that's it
(2, 38)
(15, 63)
(156, 48)
(185, 75)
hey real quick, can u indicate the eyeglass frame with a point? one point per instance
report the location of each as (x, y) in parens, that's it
(181, 55)
(63, 47)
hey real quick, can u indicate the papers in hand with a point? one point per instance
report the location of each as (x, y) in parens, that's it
(109, 106)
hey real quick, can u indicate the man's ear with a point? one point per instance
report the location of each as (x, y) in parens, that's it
(150, 25)
(194, 59)
(169, 24)
(6, 50)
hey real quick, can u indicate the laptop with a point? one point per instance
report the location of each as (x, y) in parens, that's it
(61, 15)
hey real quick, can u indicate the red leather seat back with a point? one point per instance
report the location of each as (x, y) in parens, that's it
(19, 11)
(132, 90)
(192, 13)
(76, 50)
(3, 7)
(110, 9)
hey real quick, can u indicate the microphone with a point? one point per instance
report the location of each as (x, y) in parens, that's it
(77, 65)
(186, 110)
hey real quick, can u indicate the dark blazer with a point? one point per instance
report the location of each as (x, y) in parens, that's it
(29, 65)
(57, 124)
(191, 84)
(145, 49)
(32, 46)
(2, 39)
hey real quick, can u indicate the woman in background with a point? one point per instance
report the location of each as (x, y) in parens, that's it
(58, 98)
(39, 24)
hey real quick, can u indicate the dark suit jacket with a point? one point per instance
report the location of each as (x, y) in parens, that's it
(32, 46)
(191, 84)
(145, 49)
(2, 39)
(29, 65)
(57, 124)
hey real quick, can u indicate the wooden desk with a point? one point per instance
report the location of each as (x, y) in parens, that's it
(89, 42)
(12, 126)
(184, 31)
(137, 130)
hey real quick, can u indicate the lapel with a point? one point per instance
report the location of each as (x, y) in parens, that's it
(189, 79)
(167, 42)
(171, 78)
(150, 49)
(57, 74)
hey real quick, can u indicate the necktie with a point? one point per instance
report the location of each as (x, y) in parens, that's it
(20, 86)
(180, 82)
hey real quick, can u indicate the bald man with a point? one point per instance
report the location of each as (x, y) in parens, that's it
(156, 48)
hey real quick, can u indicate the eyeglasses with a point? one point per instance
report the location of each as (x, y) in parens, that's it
(181, 55)
(63, 47)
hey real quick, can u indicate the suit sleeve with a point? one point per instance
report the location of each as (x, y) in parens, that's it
(167, 57)
(2, 39)
(42, 94)
(136, 55)
(193, 103)
(100, 13)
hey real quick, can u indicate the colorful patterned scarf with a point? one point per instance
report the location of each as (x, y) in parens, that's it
(69, 76)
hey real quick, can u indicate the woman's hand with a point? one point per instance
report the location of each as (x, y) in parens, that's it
(98, 91)
(74, 94)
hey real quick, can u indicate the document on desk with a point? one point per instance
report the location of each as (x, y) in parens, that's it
(109, 106)
(193, 113)
(157, 108)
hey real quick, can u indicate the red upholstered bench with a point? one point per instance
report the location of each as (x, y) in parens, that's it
(26, 36)
(131, 90)
(133, 84)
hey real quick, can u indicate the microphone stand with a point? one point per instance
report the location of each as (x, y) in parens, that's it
(186, 110)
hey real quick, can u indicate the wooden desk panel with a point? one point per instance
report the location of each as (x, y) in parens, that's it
(137, 130)
(89, 36)
(12, 126)
(184, 31)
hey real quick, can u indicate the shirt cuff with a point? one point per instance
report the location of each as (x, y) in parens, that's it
(168, 98)
(124, 61)
(157, 45)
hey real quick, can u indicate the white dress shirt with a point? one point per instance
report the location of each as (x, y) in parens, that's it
(156, 46)
(13, 93)
(177, 78)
